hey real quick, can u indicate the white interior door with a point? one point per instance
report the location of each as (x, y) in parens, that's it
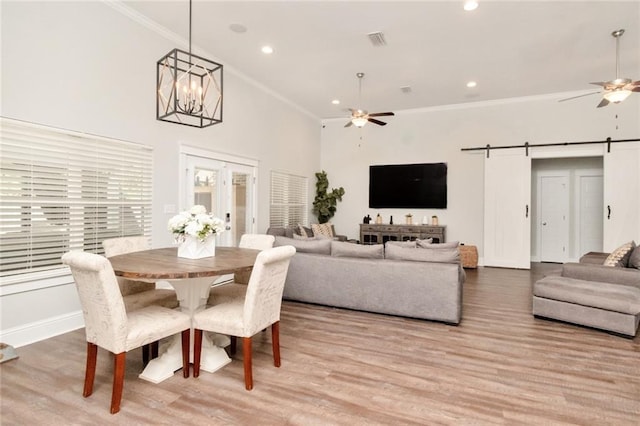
(225, 189)
(621, 195)
(507, 223)
(553, 217)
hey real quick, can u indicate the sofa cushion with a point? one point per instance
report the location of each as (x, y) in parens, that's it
(302, 237)
(344, 249)
(594, 257)
(426, 241)
(322, 229)
(612, 297)
(444, 255)
(634, 259)
(322, 246)
(411, 244)
(601, 273)
(620, 256)
(449, 245)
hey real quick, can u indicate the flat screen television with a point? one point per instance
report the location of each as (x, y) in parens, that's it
(420, 186)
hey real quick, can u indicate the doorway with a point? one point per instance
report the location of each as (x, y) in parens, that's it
(567, 195)
(225, 187)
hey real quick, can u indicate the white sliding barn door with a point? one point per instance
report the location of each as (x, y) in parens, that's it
(621, 195)
(507, 209)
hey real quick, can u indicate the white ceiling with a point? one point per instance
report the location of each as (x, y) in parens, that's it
(511, 48)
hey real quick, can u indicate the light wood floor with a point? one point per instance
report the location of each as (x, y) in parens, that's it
(499, 366)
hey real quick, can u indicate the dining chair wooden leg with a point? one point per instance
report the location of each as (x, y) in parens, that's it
(185, 352)
(246, 355)
(275, 342)
(146, 352)
(232, 346)
(90, 369)
(118, 381)
(197, 351)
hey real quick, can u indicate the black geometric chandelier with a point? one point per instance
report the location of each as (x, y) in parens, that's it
(189, 88)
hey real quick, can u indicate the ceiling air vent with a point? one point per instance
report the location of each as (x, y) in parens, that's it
(405, 89)
(377, 39)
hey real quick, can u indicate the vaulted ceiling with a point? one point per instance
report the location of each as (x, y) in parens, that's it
(510, 48)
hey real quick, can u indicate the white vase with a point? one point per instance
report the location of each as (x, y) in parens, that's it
(193, 248)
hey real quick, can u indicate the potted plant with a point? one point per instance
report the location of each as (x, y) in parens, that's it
(325, 203)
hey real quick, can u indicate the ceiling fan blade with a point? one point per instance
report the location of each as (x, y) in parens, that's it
(576, 97)
(378, 122)
(348, 124)
(381, 114)
(603, 103)
(601, 83)
(636, 89)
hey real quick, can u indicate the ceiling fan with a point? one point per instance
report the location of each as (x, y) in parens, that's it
(359, 117)
(616, 90)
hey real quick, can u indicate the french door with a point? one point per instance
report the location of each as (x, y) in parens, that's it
(226, 189)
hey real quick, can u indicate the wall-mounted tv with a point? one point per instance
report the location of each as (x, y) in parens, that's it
(420, 186)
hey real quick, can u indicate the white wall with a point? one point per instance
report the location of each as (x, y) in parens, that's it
(86, 67)
(438, 134)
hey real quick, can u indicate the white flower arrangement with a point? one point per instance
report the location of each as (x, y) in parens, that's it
(195, 222)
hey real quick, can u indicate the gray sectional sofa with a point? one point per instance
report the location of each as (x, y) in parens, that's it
(591, 294)
(404, 281)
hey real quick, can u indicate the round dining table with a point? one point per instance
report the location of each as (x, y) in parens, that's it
(192, 279)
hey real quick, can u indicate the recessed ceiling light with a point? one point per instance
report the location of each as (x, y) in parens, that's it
(472, 84)
(336, 101)
(267, 50)
(238, 28)
(470, 5)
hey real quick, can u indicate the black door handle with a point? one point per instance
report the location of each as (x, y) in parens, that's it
(526, 211)
(608, 212)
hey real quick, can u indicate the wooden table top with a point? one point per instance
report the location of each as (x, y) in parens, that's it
(164, 263)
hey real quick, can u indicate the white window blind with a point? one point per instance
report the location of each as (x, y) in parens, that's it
(289, 200)
(61, 190)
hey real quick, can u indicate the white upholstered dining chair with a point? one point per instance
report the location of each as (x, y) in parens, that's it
(240, 279)
(109, 326)
(138, 294)
(249, 312)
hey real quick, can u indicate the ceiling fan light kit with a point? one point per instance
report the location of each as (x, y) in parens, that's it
(360, 117)
(617, 90)
(189, 88)
(617, 95)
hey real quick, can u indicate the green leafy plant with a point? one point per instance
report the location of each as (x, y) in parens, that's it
(325, 203)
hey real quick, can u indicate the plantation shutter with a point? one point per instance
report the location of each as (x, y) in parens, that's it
(61, 191)
(289, 200)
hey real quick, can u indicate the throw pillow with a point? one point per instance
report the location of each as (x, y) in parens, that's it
(634, 259)
(449, 255)
(422, 243)
(324, 229)
(411, 244)
(449, 245)
(620, 256)
(344, 249)
(276, 230)
(305, 246)
(304, 231)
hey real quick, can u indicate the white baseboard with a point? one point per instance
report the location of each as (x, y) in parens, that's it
(41, 330)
